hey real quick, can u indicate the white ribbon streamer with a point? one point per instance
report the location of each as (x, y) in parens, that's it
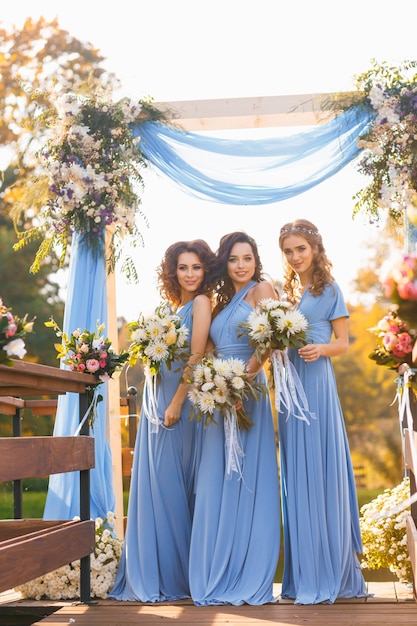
(92, 407)
(289, 390)
(149, 400)
(233, 450)
(405, 417)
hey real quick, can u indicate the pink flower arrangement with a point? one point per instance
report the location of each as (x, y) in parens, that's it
(399, 277)
(395, 341)
(12, 332)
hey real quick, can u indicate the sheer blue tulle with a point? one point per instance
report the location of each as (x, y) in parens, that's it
(86, 303)
(219, 169)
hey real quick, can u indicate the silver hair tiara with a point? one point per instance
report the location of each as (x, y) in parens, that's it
(298, 229)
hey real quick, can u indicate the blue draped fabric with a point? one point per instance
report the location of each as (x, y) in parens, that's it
(86, 304)
(281, 167)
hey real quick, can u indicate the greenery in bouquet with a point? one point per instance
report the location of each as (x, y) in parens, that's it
(64, 583)
(87, 177)
(222, 385)
(389, 144)
(394, 340)
(13, 330)
(157, 338)
(275, 325)
(384, 534)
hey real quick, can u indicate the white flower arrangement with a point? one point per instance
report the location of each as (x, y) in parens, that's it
(221, 385)
(88, 176)
(389, 144)
(275, 325)
(384, 535)
(157, 338)
(64, 583)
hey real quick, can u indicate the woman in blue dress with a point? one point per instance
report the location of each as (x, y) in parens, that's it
(236, 527)
(319, 500)
(154, 561)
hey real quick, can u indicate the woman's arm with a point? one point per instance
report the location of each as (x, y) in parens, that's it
(201, 326)
(339, 345)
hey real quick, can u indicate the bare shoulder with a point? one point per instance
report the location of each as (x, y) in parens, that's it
(264, 289)
(201, 303)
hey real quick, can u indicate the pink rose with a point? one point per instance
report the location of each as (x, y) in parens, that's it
(92, 365)
(407, 291)
(404, 345)
(102, 363)
(80, 367)
(389, 341)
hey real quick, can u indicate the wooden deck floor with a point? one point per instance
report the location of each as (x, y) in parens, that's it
(392, 604)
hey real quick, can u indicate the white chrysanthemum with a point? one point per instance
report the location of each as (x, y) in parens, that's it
(155, 328)
(220, 382)
(222, 367)
(237, 383)
(198, 374)
(208, 374)
(206, 403)
(220, 396)
(139, 335)
(237, 366)
(183, 333)
(207, 386)
(157, 351)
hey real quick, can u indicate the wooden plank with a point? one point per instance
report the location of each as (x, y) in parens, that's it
(257, 112)
(35, 379)
(408, 456)
(12, 528)
(127, 461)
(412, 543)
(36, 554)
(9, 405)
(128, 613)
(23, 457)
(42, 407)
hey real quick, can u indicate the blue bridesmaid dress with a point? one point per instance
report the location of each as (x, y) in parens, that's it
(236, 527)
(154, 561)
(319, 502)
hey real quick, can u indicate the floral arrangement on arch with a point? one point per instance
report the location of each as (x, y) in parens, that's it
(398, 277)
(384, 532)
(13, 330)
(389, 145)
(64, 583)
(395, 341)
(88, 177)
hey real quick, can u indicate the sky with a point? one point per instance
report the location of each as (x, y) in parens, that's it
(194, 50)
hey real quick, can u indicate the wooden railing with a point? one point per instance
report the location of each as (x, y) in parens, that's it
(33, 547)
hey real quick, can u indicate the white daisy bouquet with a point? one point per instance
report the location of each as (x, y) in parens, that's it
(275, 325)
(222, 385)
(155, 339)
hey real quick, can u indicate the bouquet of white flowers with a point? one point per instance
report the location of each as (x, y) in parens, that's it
(275, 325)
(155, 339)
(222, 385)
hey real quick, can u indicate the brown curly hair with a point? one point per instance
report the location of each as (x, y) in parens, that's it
(322, 266)
(169, 286)
(224, 288)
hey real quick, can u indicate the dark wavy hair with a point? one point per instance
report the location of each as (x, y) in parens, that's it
(169, 286)
(224, 288)
(322, 266)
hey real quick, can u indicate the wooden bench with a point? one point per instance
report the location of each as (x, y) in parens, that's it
(30, 548)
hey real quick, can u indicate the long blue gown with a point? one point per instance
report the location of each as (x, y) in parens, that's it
(154, 561)
(236, 527)
(319, 501)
